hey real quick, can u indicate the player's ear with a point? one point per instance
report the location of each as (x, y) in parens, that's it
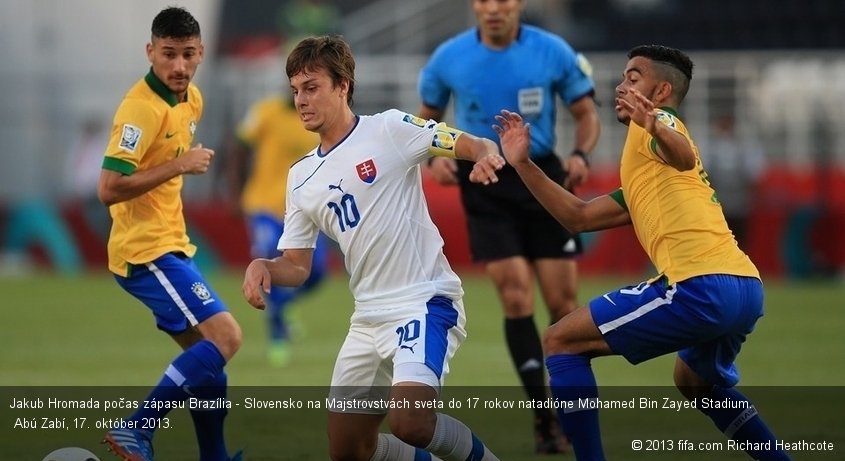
(664, 92)
(150, 50)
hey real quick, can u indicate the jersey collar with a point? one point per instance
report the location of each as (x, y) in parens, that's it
(160, 88)
(322, 154)
(670, 110)
(518, 35)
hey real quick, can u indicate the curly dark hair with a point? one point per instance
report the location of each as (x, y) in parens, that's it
(175, 22)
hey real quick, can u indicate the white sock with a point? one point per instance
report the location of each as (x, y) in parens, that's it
(390, 448)
(454, 441)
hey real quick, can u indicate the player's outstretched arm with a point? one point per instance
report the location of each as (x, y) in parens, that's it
(485, 154)
(291, 269)
(572, 212)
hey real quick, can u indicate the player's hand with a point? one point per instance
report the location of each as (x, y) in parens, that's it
(484, 170)
(514, 137)
(577, 171)
(196, 160)
(444, 170)
(640, 108)
(256, 283)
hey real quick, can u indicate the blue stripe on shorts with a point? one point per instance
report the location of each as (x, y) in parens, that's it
(441, 316)
(174, 290)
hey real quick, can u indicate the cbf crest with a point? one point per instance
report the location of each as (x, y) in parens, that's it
(367, 171)
(202, 292)
(667, 119)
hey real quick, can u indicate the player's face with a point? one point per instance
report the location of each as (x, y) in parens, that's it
(175, 61)
(639, 75)
(318, 101)
(498, 20)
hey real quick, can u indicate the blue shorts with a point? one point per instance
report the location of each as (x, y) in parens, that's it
(705, 319)
(265, 230)
(173, 288)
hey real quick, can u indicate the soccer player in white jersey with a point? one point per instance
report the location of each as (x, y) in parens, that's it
(362, 187)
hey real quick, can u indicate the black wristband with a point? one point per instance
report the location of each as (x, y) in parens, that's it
(582, 154)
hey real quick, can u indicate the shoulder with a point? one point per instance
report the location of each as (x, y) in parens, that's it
(671, 119)
(460, 43)
(535, 36)
(304, 163)
(195, 97)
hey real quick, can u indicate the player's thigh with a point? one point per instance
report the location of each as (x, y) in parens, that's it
(737, 304)
(353, 436)
(175, 291)
(514, 281)
(360, 372)
(423, 343)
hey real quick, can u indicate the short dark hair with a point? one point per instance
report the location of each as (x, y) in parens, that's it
(678, 70)
(175, 22)
(328, 52)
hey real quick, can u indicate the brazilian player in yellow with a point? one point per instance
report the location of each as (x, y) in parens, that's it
(707, 295)
(271, 135)
(149, 250)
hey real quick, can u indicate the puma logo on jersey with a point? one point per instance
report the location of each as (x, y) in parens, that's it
(337, 187)
(410, 348)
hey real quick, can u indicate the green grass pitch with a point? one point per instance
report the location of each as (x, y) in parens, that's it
(85, 336)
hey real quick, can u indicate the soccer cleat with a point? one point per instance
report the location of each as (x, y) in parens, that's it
(279, 354)
(130, 444)
(548, 440)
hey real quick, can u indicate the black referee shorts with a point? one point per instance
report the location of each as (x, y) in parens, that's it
(505, 220)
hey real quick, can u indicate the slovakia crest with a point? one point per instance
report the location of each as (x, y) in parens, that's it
(367, 171)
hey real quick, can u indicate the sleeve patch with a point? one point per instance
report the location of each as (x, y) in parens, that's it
(130, 137)
(584, 65)
(667, 119)
(414, 120)
(444, 139)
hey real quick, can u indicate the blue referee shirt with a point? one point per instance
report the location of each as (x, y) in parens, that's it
(523, 78)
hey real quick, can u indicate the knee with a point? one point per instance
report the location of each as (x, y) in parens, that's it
(413, 428)
(554, 342)
(228, 340)
(689, 383)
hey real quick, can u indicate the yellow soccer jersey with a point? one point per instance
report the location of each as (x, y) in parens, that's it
(675, 214)
(273, 130)
(150, 127)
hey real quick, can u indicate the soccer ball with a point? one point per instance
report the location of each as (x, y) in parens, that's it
(71, 454)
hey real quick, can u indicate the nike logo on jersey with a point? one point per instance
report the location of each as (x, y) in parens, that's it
(337, 187)
(605, 296)
(410, 348)
(169, 135)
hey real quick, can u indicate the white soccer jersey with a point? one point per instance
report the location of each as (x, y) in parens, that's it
(366, 194)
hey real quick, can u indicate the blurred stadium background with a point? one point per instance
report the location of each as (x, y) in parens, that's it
(767, 92)
(769, 81)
